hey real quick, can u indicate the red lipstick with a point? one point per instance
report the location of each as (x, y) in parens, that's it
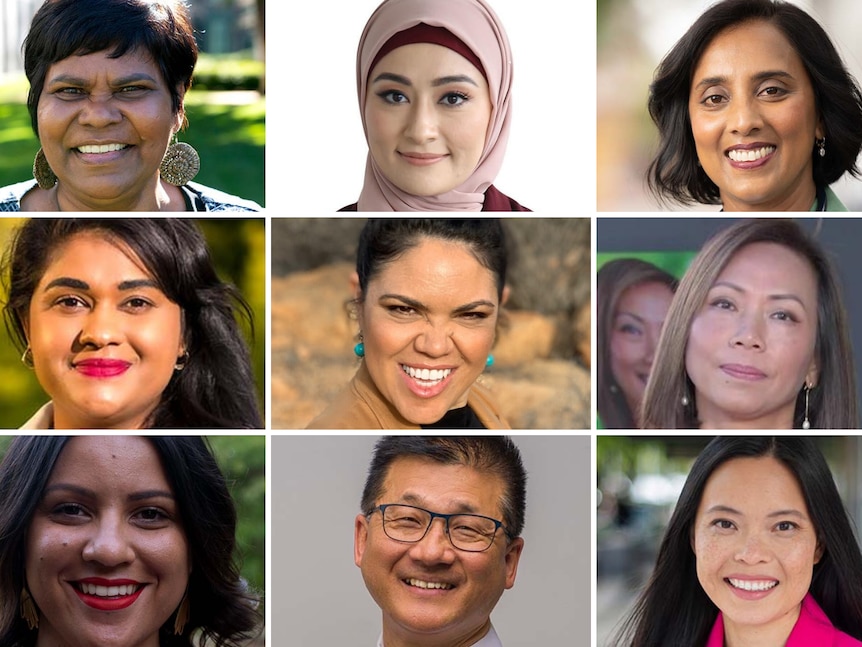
(107, 595)
(102, 368)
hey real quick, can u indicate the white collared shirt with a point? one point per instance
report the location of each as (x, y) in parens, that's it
(490, 639)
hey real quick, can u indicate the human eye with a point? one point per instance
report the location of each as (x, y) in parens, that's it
(723, 524)
(785, 315)
(69, 303)
(68, 93)
(152, 517)
(786, 526)
(629, 328)
(713, 100)
(137, 304)
(454, 99)
(392, 96)
(401, 310)
(68, 513)
(721, 303)
(773, 92)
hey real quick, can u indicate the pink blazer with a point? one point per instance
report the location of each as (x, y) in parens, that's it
(812, 628)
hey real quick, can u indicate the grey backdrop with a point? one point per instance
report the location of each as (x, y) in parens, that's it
(841, 237)
(318, 597)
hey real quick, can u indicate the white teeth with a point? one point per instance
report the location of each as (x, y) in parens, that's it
(749, 585)
(104, 148)
(429, 377)
(107, 591)
(738, 155)
(429, 585)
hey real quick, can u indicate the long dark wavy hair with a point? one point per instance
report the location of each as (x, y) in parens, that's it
(674, 610)
(216, 387)
(222, 609)
(674, 172)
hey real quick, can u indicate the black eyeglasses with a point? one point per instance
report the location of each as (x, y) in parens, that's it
(473, 533)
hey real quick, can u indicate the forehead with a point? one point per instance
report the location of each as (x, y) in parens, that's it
(772, 266)
(446, 488)
(92, 253)
(425, 61)
(749, 48)
(753, 485)
(646, 299)
(101, 63)
(110, 462)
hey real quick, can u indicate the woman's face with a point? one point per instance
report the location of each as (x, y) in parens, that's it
(754, 120)
(427, 112)
(637, 324)
(751, 346)
(428, 320)
(104, 337)
(755, 545)
(104, 125)
(107, 559)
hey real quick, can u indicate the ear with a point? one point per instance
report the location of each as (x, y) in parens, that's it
(512, 557)
(506, 292)
(812, 377)
(357, 297)
(818, 132)
(360, 538)
(818, 552)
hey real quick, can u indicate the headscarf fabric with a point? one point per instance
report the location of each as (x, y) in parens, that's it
(477, 26)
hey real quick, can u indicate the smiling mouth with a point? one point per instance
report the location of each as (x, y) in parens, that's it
(102, 148)
(752, 155)
(427, 377)
(428, 585)
(108, 591)
(752, 585)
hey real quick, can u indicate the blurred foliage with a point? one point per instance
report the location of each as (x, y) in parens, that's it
(243, 462)
(236, 71)
(229, 138)
(239, 252)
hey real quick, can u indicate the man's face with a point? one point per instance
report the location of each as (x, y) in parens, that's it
(429, 588)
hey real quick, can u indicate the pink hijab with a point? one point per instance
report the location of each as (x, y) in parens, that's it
(476, 24)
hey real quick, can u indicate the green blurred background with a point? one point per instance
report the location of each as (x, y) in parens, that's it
(239, 250)
(243, 461)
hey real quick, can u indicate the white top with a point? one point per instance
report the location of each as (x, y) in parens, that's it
(490, 639)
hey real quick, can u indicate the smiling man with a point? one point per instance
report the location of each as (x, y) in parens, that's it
(438, 539)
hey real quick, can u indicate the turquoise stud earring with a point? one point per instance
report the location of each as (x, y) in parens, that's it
(489, 362)
(359, 349)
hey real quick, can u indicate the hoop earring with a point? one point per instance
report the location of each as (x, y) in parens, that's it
(180, 164)
(821, 146)
(359, 349)
(182, 615)
(182, 360)
(42, 171)
(806, 424)
(28, 609)
(27, 358)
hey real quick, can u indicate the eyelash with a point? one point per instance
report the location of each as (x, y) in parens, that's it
(389, 96)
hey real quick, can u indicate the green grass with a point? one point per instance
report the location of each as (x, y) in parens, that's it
(229, 138)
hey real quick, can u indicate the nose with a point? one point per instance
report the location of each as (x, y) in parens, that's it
(434, 547)
(421, 123)
(109, 545)
(749, 333)
(435, 340)
(751, 550)
(744, 116)
(99, 110)
(101, 327)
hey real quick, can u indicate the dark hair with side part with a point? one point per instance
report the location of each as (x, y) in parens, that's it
(216, 387)
(832, 401)
(674, 172)
(382, 240)
(221, 608)
(674, 609)
(160, 29)
(612, 280)
(493, 455)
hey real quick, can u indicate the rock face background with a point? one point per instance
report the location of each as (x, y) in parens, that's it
(541, 372)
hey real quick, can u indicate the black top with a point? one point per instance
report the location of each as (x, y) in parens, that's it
(462, 418)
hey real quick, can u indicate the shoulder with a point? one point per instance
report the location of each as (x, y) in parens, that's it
(10, 196)
(42, 419)
(216, 200)
(833, 203)
(495, 200)
(814, 628)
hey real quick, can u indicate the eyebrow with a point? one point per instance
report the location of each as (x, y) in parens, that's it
(459, 506)
(626, 313)
(760, 76)
(85, 492)
(78, 284)
(443, 80)
(81, 82)
(772, 297)
(777, 513)
(418, 305)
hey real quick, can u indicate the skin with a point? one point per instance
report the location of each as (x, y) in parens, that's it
(95, 301)
(426, 100)
(751, 97)
(637, 325)
(108, 512)
(753, 525)
(752, 345)
(413, 616)
(433, 307)
(94, 99)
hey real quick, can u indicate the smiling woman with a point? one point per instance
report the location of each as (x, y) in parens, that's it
(127, 326)
(755, 111)
(118, 540)
(428, 299)
(107, 83)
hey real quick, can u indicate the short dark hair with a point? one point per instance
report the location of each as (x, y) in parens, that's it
(221, 606)
(216, 387)
(674, 172)
(382, 240)
(675, 610)
(496, 455)
(63, 28)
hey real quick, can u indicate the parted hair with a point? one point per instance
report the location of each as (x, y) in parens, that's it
(496, 456)
(216, 387)
(675, 174)
(832, 401)
(222, 609)
(612, 280)
(674, 610)
(160, 29)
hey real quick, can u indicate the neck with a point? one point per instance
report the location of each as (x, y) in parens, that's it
(395, 636)
(157, 196)
(717, 419)
(773, 634)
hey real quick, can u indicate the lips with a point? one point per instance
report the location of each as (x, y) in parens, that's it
(101, 148)
(426, 382)
(743, 372)
(421, 159)
(102, 368)
(424, 584)
(108, 595)
(749, 156)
